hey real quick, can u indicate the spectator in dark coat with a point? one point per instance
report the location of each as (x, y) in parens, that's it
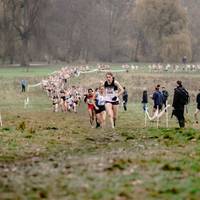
(157, 98)
(179, 102)
(165, 95)
(144, 99)
(198, 106)
(125, 98)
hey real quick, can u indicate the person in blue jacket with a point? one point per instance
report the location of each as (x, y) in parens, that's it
(157, 99)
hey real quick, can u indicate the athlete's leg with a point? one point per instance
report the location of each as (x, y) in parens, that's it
(90, 112)
(61, 104)
(93, 115)
(109, 111)
(98, 119)
(65, 106)
(74, 108)
(103, 118)
(115, 113)
(56, 107)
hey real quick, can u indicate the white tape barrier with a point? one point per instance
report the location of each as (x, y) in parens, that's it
(32, 86)
(117, 70)
(102, 70)
(157, 115)
(53, 73)
(36, 85)
(1, 123)
(154, 116)
(163, 111)
(87, 72)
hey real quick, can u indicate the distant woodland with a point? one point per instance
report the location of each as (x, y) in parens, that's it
(99, 30)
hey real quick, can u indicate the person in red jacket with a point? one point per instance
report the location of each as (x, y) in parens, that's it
(89, 99)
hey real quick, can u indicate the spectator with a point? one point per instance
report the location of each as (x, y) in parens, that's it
(144, 99)
(181, 98)
(125, 98)
(165, 95)
(157, 98)
(198, 106)
(23, 85)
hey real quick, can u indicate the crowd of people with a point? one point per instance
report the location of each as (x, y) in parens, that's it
(104, 100)
(158, 67)
(180, 99)
(174, 67)
(63, 97)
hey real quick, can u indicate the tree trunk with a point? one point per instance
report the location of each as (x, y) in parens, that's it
(24, 54)
(110, 32)
(134, 56)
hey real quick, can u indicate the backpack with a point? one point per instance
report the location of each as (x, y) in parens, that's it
(184, 96)
(165, 95)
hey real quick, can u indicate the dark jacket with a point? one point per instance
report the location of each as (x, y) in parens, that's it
(177, 100)
(157, 98)
(144, 97)
(165, 95)
(198, 98)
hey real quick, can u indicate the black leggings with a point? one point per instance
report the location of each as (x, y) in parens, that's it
(179, 113)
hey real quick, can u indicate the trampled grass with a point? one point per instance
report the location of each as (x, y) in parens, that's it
(47, 155)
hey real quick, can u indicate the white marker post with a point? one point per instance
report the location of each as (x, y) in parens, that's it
(145, 115)
(1, 123)
(157, 117)
(26, 102)
(167, 119)
(145, 118)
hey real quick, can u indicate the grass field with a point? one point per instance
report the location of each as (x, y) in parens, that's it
(45, 155)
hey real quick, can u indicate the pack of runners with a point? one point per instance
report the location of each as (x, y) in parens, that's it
(64, 97)
(104, 100)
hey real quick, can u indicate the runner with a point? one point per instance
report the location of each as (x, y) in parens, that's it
(100, 109)
(62, 101)
(111, 97)
(55, 102)
(96, 99)
(89, 99)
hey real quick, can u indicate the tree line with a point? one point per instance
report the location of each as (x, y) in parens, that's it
(99, 30)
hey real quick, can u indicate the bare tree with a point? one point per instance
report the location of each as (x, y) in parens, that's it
(25, 14)
(165, 26)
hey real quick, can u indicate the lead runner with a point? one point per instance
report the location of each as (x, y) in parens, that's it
(112, 91)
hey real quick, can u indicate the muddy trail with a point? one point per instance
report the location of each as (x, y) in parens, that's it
(63, 158)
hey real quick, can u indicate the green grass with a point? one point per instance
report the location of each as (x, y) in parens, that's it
(39, 71)
(47, 155)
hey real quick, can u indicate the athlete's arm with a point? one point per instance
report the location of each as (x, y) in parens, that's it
(120, 88)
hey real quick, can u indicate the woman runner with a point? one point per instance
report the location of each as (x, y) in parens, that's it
(89, 99)
(112, 91)
(100, 109)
